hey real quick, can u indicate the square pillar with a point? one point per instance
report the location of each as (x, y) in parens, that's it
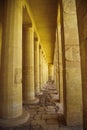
(73, 84)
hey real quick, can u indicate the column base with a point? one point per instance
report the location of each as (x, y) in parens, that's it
(34, 101)
(15, 121)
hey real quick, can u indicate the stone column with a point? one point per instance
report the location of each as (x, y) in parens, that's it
(46, 70)
(43, 72)
(73, 85)
(37, 77)
(43, 69)
(50, 71)
(11, 112)
(54, 62)
(60, 66)
(60, 45)
(28, 66)
(57, 78)
(40, 64)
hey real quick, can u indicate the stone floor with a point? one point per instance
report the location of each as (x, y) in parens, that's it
(46, 115)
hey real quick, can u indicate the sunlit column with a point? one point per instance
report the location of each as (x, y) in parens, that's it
(41, 71)
(28, 66)
(46, 71)
(50, 71)
(37, 76)
(56, 64)
(60, 46)
(11, 112)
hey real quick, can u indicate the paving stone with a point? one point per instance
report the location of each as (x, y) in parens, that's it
(52, 127)
(33, 107)
(37, 117)
(37, 127)
(50, 109)
(65, 128)
(53, 92)
(70, 128)
(50, 112)
(52, 121)
(32, 110)
(41, 109)
(42, 113)
(35, 122)
(32, 113)
(55, 97)
(50, 116)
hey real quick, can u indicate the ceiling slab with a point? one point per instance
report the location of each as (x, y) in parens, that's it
(44, 13)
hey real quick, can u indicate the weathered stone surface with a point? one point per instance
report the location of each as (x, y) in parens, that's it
(34, 122)
(28, 66)
(50, 71)
(50, 116)
(36, 67)
(40, 119)
(70, 128)
(40, 109)
(37, 117)
(82, 18)
(73, 83)
(55, 97)
(11, 113)
(52, 127)
(52, 121)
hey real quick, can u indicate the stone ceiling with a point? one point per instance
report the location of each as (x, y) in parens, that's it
(44, 13)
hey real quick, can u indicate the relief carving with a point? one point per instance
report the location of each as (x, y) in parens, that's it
(69, 6)
(72, 54)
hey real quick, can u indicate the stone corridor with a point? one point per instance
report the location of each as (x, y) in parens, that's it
(43, 64)
(45, 115)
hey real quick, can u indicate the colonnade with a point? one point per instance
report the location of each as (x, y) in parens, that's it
(24, 68)
(20, 69)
